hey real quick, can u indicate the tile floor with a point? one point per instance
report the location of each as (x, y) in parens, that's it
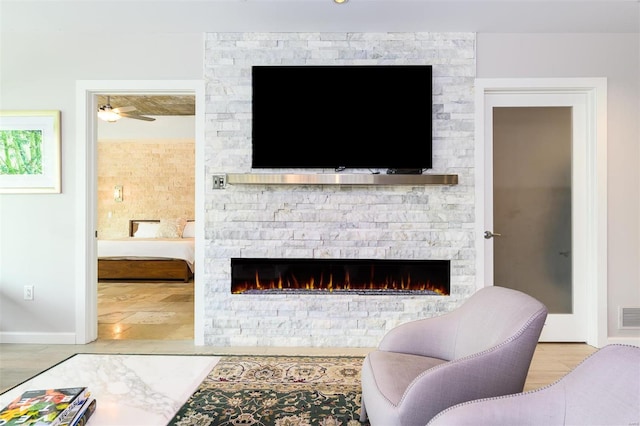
(145, 310)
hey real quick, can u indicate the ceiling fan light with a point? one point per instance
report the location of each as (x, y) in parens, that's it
(108, 115)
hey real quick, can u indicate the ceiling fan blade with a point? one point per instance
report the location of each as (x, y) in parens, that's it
(137, 117)
(124, 109)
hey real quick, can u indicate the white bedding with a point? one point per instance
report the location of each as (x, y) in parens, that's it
(148, 248)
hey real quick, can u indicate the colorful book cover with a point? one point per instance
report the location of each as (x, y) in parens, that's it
(73, 417)
(43, 407)
(81, 415)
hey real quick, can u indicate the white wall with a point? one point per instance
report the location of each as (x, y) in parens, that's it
(40, 70)
(164, 128)
(37, 232)
(616, 57)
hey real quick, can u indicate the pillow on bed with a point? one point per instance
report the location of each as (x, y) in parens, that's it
(147, 230)
(189, 230)
(171, 228)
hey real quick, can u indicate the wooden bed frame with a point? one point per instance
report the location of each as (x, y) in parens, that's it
(143, 269)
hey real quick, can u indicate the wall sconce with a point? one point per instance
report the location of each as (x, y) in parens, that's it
(117, 193)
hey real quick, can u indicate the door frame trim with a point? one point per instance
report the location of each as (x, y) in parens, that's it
(86, 271)
(595, 90)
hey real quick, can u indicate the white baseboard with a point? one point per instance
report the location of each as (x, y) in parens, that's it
(38, 338)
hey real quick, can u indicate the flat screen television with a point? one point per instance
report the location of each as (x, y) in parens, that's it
(342, 117)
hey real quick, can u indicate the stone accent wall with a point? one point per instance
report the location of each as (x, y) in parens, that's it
(333, 221)
(158, 180)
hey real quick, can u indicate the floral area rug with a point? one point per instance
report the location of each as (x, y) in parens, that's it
(276, 391)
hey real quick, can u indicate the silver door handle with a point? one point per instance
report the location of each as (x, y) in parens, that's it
(489, 234)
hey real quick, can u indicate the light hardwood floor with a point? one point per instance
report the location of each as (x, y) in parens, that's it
(157, 318)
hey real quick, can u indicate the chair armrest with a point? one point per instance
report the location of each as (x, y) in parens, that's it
(433, 337)
(603, 389)
(489, 374)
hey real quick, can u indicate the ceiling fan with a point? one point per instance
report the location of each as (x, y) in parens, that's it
(108, 113)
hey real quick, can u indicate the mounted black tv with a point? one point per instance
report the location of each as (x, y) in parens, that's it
(342, 117)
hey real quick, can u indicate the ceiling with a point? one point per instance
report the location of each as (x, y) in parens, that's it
(153, 105)
(130, 17)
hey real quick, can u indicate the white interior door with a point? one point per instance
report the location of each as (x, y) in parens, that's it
(537, 212)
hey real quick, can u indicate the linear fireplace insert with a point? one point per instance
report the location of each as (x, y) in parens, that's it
(361, 276)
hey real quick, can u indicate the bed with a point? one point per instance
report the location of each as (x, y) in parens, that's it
(149, 253)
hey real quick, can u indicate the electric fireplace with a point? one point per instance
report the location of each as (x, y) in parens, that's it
(340, 276)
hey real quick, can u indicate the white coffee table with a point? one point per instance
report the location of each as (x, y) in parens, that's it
(131, 390)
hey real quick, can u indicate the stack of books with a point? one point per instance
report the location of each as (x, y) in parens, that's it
(50, 407)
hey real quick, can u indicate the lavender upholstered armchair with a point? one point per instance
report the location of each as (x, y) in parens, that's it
(602, 390)
(481, 349)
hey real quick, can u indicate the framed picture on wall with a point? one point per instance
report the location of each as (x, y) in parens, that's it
(30, 152)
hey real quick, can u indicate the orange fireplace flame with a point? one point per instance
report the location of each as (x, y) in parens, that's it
(405, 283)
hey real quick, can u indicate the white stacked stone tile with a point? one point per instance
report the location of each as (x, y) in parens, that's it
(323, 222)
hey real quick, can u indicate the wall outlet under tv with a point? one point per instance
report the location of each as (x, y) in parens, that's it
(219, 181)
(404, 171)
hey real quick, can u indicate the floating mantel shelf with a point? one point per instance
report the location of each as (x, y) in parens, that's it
(339, 179)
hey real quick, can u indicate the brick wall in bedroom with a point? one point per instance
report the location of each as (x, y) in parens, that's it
(158, 180)
(346, 222)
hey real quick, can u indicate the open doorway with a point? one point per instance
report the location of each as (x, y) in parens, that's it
(145, 180)
(88, 93)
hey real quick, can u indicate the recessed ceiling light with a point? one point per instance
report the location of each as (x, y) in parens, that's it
(344, 1)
